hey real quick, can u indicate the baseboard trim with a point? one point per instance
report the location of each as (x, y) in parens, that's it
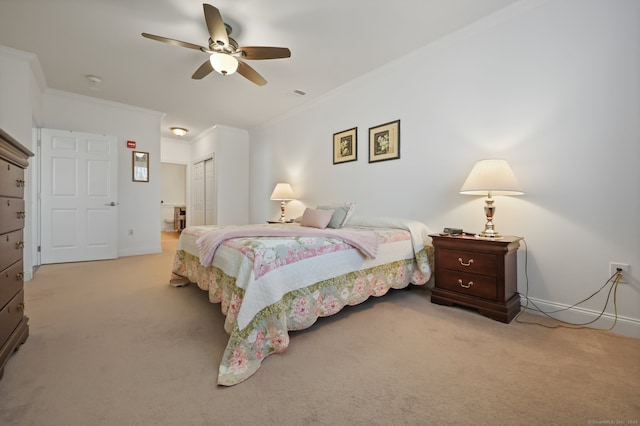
(625, 326)
(139, 251)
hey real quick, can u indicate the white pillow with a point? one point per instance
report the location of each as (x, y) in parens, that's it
(339, 217)
(316, 218)
(352, 209)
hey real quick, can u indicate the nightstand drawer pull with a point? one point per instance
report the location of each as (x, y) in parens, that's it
(469, 263)
(463, 285)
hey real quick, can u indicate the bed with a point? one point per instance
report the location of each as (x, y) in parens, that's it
(274, 278)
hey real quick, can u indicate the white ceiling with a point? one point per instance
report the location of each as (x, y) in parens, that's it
(332, 42)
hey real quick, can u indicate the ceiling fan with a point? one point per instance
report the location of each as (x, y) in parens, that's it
(224, 52)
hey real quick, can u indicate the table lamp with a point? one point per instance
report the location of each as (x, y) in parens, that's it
(282, 192)
(491, 177)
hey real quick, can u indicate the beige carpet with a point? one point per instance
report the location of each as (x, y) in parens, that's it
(112, 344)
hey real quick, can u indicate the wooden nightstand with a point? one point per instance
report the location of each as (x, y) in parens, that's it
(477, 273)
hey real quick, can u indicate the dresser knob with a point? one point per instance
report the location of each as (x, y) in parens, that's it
(21, 214)
(469, 263)
(20, 245)
(19, 308)
(19, 276)
(20, 183)
(463, 285)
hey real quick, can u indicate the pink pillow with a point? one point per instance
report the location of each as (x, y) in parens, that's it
(316, 218)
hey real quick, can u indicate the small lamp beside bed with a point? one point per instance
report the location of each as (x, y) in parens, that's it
(491, 177)
(282, 192)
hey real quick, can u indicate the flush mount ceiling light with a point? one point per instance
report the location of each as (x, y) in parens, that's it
(178, 131)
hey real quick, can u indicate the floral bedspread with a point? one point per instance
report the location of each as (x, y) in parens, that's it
(268, 286)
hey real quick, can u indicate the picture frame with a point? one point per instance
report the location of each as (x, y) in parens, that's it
(345, 146)
(140, 166)
(384, 142)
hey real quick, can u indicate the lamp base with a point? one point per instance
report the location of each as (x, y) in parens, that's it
(489, 232)
(489, 235)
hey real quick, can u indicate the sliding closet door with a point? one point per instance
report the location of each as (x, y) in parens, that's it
(209, 193)
(203, 187)
(197, 185)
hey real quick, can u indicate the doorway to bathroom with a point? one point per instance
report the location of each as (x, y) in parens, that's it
(173, 197)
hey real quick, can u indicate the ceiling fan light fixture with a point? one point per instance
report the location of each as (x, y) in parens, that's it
(223, 63)
(178, 131)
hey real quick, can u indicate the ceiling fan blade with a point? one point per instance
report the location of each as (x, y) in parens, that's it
(172, 41)
(250, 74)
(215, 25)
(262, 52)
(204, 70)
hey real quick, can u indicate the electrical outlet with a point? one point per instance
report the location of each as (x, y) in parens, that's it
(625, 269)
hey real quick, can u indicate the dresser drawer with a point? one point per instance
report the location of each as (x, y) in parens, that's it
(11, 214)
(11, 282)
(11, 245)
(11, 315)
(465, 283)
(11, 180)
(467, 261)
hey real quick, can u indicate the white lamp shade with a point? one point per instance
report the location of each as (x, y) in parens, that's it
(491, 177)
(283, 191)
(223, 63)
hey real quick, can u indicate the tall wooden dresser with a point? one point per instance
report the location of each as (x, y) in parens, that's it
(14, 330)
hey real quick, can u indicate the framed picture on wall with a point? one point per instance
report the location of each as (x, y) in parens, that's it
(345, 146)
(140, 166)
(384, 142)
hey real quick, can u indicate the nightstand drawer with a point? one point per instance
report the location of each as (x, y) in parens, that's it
(467, 261)
(470, 284)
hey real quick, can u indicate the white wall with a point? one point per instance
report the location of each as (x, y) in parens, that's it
(175, 151)
(231, 148)
(19, 108)
(552, 86)
(138, 200)
(173, 184)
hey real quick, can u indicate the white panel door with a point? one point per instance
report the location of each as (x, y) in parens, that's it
(79, 194)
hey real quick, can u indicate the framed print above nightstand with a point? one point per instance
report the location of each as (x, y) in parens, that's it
(345, 146)
(384, 142)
